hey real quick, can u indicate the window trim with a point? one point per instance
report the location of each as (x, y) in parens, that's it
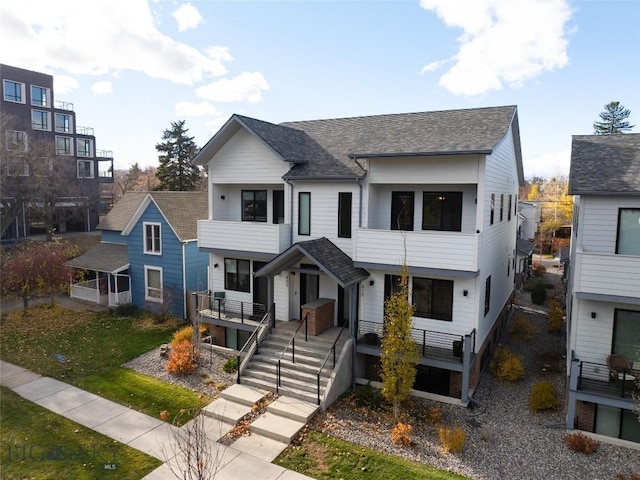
(487, 295)
(23, 92)
(156, 241)
(304, 228)
(160, 290)
(434, 282)
(69, 142)
(252, 218)
(81, 152)
(237, 287)
(91, 169)
(69, 128)
(47, 101)
(9, 137)
(48, 116)
(345, 214)
(444, 196)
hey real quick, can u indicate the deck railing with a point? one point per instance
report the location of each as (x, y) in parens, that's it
(598, 378)
(214, 305)
(87, 290)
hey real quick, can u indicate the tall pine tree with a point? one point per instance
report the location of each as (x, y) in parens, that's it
(614, 120)
(176, 172)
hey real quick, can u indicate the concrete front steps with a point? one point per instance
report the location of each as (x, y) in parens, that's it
(298, 380)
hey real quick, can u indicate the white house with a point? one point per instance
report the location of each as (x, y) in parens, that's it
(326, 212)
(603, 304)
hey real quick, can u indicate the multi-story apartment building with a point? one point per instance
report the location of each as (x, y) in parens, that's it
(603, 298)
(51, 168)
(327, 211)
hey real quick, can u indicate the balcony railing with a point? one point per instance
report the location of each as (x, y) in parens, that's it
(213, 306)
(246, 236)
(432, 344)
(63, 105)
(599, 379)
(104, 153)
(84, 131)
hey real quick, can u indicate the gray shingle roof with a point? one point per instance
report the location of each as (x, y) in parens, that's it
(104, 257)
(122, 211)
(183, 210)
(605, 164)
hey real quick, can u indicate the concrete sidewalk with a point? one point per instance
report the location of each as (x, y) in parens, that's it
(137, 430)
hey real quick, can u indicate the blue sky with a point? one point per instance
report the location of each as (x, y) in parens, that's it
(131, 67)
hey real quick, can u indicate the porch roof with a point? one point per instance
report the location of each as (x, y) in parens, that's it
(104, 257)
(321, 251)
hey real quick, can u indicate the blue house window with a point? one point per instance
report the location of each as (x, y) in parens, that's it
(152, 240)
(153, 284)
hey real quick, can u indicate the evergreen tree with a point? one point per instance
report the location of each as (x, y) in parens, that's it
(613, 120)
(176, 151)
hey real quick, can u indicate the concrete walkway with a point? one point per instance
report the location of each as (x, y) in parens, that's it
(137, 430)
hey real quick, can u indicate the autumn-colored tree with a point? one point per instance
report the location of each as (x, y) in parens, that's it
(35, 269)
(399, 353)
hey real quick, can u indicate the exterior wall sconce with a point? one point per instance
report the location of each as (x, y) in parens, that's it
(215, 265)
(221, 197)
(465, 292)
(594, 314)
(371, 282)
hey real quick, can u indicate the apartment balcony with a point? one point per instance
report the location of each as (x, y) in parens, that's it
(599, 380)
(63, 105)
(256, 237)
(428, 249)
(606, 274)
(105, 168)
(85, 131)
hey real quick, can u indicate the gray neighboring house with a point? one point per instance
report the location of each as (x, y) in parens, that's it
(603, 301)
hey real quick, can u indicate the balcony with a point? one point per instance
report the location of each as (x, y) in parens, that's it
(596, 379)
(428, 249)
(63, 105)
(85, 131)
(105, 170)
(244, 236)
(104, 153)
(608, 274)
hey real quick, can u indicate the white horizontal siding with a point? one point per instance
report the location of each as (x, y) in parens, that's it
(599, 221)
(593, 336)
(608, 274)
(243, 236)
(452, 169)
(229, 208)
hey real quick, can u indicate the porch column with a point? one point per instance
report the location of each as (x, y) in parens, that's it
(573, 387)
(466, 368)
(270, 298)
(109, 277)
(97, 287)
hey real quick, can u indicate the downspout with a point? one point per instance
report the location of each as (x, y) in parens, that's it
(184, 280)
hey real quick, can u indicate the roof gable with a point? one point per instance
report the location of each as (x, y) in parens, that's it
(121, 212)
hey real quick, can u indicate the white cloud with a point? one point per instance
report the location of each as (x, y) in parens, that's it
(188, 17)
(65, 84)
(188, 109)
(59, 35)
(219, 53)
(548, 165)
(101, 88)
(247, 86)
(503, 41)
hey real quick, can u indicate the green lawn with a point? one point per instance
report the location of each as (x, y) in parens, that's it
(95, 346)
(38, 444)
(327, 458)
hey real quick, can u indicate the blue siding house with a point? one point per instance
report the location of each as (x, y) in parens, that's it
(163, 263)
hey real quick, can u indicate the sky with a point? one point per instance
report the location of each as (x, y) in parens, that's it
(131, 67)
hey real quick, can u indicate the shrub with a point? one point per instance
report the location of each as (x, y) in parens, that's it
(522, 328)
(555, 318)
(528, 286)
(434, 416)
(452, 438)
(231, 365)
(579, 442)
(125, 310)
(543, 397)
(539, 294)
(401, 435)
(506, 366)
(367, 396)
(185, 333)
(538, 269)
(181, 360)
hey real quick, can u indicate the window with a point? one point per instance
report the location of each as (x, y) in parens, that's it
(39, 96)
(16, 141)
(626, 333)
(433, 298)
(509, 209)
(152, 238)
(442, 211)
(237, 275)
(63, 123)
(493, 208)
(254, 205)
(344, 214)
(13, 91)
(628, 242)
(304, 213)
(515, 206)
(487, 295)
(40, 120)
(84, 147)
(278, 207)
(85, 169)
(63, 146)
(392, 284)
(153, 284)
(402, 211)
(18, 167)
(501, 206)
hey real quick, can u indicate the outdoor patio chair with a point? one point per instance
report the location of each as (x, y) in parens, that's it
(619, 364)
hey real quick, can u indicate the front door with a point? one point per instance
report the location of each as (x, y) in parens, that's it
(309, 286)
(260, 286)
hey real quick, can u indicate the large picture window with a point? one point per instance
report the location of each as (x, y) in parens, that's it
(433, 298)
(442, 211)
(254, 205)
(304, 213)
(40, 120)
(84, 147)
(402, 211)
(63, 123)
(152, 238)
(626, 333)
(63, 146)
(153, 284)
(85, 169)
(628, 231)
(13, 91)
(344, 215)
(39, 96)
(237, 274)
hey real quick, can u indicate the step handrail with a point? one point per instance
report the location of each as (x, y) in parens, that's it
(292, 342)
(254, 340)
(326, 358)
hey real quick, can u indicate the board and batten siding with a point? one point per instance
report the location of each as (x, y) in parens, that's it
(598, 222)
(170, 260)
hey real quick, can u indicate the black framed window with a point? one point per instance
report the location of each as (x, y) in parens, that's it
(501, 206)
(626, 333)
(344, 214)
(628, 241)
(254, 205)
(402, 210)
(442, 211)
(237, 274)
(487, 295)
(493, 208)
(278, 206)
(433, 298)
(509, 209)
(304, 213)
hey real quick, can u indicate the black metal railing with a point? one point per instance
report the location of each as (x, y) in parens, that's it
(261, 331)
(215, 305)
(292, 344)
(330, 353)
(603, 380)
